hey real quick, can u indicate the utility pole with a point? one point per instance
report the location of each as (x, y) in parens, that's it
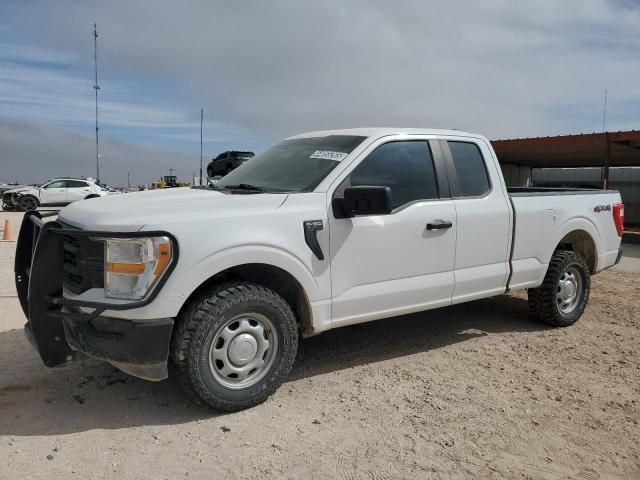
(128, 180)
(607, 146)
(604, 113)
(96, 88)
(201, 121)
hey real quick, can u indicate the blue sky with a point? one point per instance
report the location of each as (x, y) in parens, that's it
(266, 70)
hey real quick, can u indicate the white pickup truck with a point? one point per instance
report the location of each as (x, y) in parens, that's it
(324, 229)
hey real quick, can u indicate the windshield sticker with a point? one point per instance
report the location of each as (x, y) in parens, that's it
(328, 155)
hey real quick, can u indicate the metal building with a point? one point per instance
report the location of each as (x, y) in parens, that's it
(562, 160)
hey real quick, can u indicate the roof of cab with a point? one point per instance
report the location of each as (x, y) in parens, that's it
(383, 132)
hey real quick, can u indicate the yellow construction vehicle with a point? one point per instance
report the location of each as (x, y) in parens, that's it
(168, 181)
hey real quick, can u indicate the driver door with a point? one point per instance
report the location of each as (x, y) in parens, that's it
(53, 192)
(386, 265)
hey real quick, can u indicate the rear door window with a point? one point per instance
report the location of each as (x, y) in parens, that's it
(473, 179)
(75, 184)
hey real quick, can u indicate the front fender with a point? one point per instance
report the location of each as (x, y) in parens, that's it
(188, 282)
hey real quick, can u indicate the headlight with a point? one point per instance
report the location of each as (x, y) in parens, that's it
(133, 265)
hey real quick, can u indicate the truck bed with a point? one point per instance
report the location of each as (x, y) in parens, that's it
(544, 216)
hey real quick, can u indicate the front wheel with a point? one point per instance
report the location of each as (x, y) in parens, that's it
(563, 295)
(28, 203)
(234, 346)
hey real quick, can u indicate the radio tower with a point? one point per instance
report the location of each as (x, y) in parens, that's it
(96, 88)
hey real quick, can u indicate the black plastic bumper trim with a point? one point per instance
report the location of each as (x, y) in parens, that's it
(121, 341)
(619, 257)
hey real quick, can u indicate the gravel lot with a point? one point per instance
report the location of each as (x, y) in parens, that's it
(472, 391)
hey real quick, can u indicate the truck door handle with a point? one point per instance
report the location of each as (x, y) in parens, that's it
(439, 225)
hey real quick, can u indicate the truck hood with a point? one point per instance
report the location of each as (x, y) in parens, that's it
(132, 211)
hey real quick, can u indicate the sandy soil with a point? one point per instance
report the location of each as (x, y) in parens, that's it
(472, 391)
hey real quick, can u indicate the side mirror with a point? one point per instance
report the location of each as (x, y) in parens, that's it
(363, 200)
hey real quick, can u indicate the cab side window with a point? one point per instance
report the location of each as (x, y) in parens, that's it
(473, 179)
(406, 167)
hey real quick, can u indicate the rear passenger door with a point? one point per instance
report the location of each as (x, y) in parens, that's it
(484, 220)
(77, 190)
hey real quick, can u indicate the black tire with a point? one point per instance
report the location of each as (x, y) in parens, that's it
(28, 203)
(543, 301)
(8, 208)
(204, 320)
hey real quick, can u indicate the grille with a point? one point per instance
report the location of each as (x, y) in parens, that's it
(83, 263)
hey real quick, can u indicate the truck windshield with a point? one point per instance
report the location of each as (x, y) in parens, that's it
(297, 165)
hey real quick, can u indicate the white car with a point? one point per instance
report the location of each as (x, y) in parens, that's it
(56, 192)
(323, 230)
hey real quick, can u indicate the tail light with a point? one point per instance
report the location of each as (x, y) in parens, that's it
(618, 217)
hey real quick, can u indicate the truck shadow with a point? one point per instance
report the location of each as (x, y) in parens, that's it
(87, 395)
(410, 334)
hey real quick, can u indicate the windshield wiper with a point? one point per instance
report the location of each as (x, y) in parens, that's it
(244, 186)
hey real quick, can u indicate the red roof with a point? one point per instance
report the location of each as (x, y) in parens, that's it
(586, 150)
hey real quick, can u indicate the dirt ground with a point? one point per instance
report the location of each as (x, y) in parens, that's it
(471, 391)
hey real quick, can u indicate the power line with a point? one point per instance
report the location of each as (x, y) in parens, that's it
(96, 87)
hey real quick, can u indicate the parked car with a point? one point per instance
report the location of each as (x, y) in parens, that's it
(56, 192)
(325, 229)
(227, 161)
(5, 187)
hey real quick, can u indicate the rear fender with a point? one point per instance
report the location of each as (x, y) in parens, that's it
(572, 225)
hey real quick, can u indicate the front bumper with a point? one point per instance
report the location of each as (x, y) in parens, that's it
(8, 199)
(58, 328)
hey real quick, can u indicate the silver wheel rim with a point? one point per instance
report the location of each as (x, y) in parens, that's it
(243, 350)
(569, 290)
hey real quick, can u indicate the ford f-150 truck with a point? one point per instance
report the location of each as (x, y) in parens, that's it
(324, 229)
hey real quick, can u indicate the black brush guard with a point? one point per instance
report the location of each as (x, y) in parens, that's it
(56, 324)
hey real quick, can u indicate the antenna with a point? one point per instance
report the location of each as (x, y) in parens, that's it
(604, 113)
(96, 88)
(201, 121)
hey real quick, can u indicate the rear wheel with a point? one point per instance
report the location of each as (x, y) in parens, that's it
(563, 295)
(235, 345)
(28, 203)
